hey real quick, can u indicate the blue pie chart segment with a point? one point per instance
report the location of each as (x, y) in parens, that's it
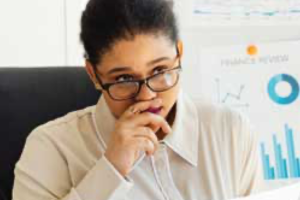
(283, 78)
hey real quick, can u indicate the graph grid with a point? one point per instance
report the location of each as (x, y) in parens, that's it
(284, 167)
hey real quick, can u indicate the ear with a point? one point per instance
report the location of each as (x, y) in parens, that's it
(180, 48)
(91, 72)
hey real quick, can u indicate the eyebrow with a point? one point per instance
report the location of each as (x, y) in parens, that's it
(157, 60)
(124, 68)
(118, 69)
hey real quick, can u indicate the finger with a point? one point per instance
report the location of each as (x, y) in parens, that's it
(141, 106)
(152, 120)
(143, 144)
(148, 133)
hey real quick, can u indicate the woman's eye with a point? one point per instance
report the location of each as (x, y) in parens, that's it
(125, 77)
(159, 69)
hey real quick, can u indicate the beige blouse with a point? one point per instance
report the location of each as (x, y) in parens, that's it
(210, 155)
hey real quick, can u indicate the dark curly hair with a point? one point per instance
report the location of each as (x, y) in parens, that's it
(104, 22)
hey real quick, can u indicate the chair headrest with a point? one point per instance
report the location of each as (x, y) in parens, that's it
(31, 97)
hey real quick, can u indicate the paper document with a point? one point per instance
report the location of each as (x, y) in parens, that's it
(291, 192)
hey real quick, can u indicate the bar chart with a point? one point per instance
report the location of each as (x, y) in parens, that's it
(284, 168)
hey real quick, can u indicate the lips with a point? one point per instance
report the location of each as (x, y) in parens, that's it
(154, 110)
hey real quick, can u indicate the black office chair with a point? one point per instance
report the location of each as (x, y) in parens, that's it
(2, 197)
(30, 97)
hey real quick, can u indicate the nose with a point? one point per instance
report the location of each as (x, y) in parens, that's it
(145, 94)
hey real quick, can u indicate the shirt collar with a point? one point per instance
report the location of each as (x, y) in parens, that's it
(184, 138)
(185, 135)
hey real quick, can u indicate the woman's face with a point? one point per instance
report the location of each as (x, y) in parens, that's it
(138, 59)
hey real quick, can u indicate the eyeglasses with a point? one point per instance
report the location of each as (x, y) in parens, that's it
(159, 82)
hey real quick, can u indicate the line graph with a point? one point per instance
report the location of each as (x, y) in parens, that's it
(231, 98)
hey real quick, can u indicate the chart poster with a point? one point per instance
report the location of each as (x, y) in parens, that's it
(261, 80)
(251, 12)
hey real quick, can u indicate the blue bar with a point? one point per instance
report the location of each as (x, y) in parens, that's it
(283, 170)
(268, 166)
(286, 175)
(264, 161)
(281, 161)
(272, 173)
(277, 158)
(291, 151)
(298, 167)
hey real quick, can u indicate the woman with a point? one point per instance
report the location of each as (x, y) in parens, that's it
(145, 139)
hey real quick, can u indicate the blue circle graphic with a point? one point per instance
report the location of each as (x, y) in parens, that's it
(291, 81)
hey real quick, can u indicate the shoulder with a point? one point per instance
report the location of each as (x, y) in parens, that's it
(53, 149)
(63, 125)
(64, 136)
(57, 141)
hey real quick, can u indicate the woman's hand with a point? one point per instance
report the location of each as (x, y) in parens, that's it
(134, 133)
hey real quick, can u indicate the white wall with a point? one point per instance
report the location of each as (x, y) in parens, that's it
(74, 48)
(40, 33)
(32, 33)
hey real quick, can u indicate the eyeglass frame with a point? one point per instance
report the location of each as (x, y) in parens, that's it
(141, 82)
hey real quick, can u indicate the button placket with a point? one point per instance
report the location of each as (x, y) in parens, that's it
(161, 168)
